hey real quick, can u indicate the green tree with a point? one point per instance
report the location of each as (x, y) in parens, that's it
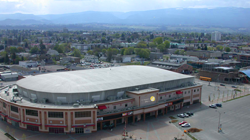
(42, 47)
(219, 48)
(34, 50)
(158, 40)
(161, 47)
(12, 49)
(103, 40)
(6, 59)
(141, 44)
(167, 44)
(177, 52)
(77, 53)
(152, 45)
(227, 49)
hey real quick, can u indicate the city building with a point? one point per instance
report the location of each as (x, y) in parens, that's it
(204, 54)
(244, 59)
(220, 74)
(184, 57)
(28, 64)
(176, 67)
(85, 101)
(216, 36)
(8, 76)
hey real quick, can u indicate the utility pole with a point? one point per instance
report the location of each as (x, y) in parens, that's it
(219, 125)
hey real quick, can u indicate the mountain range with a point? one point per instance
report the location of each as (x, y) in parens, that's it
(222, 17)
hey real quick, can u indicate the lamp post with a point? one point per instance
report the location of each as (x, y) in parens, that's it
(219, 128)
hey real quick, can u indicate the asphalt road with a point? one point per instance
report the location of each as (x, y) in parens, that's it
(234, 119)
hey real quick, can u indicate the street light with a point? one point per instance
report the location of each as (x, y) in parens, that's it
(219, 125)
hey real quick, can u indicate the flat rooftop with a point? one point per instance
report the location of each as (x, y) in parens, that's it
(144, 90)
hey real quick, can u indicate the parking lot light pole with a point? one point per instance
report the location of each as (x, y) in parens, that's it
(219, 120)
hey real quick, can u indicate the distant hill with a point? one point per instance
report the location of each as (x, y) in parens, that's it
(223, 17)
(23, 22)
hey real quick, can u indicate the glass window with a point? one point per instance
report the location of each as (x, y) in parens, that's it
(55, 114)
(169, 96)
(197, 89)
(160, 97)
(4, 104)
(14, 109)
(82, 114)
(126, 105)
(114, 107)
(31, 112)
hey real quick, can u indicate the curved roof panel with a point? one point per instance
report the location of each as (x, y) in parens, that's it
(85, 81)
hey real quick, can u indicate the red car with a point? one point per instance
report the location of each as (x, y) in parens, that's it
(183, 122)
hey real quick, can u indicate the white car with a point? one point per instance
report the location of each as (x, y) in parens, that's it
(186, 125)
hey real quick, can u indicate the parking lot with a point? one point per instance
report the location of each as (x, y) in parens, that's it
(235, 121)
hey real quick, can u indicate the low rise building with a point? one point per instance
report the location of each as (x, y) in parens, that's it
(176, 67)
(28, 64)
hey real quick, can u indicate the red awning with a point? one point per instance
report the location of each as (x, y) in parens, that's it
(13, 119)
(51, 125)
(179, 92)
(4, 115)
(102, 107)
(29, 123)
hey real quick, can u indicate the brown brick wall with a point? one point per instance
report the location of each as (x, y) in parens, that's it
(14, 115)
(82, 121)
(56, 121)
(185, 98)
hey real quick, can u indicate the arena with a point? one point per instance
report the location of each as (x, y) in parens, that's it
(89, 100)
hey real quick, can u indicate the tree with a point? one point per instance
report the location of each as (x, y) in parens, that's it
(12, 49)
(42, 47)
(34, 50)
(103, 40)
(143, 53)
(167, 44)
(6, 59)
(129, 40)
(152, 45)
(26, 45)
(227, 49)
(219, 48)
(158, 40)
(141, 44)
(77, 53)
(177, 52)
(161, 47)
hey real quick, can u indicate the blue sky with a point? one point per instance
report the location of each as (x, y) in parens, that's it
(71, 6)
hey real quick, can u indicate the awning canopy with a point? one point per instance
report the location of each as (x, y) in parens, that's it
(179, 92)
(102, 107)
(13, 119)
(29, 123)
(4, 115)
(83, 125)
(51, 125)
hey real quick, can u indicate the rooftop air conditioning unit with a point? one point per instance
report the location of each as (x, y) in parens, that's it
(76, 105)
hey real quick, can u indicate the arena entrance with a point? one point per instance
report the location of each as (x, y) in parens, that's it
(32, 128)
(79, 130)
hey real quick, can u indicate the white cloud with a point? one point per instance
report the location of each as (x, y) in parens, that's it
(70, 6)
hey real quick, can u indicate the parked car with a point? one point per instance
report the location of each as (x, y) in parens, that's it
(181, 115)
(213, 106)
(186, 125)
(218, 105)
(222, 85)
(183, 122)
(185, 114)
(234, 87)
(190, 113)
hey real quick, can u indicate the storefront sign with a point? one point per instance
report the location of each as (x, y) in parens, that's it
(130, 113)
(87, 131)
(124, 114)
(99, 119)
(168, 104)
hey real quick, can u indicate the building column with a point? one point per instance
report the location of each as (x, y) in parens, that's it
(133, 118)
(101, 125)
(162, 111)
(126, 119)
(115, 122)
(156, 113)
(166, 110)
(181, 105)
(144, 117)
